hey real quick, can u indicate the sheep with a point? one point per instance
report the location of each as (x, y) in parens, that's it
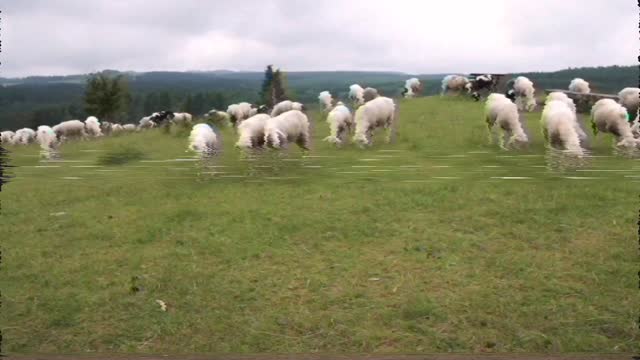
(411, 87)
(610, 117)
(181, 119)
(635, 127)
(239, 112)
(630, 99)
(291, 126)
(116, 129)
(161, 118)
(524, 94)
(580, 86)
(325, 100)
(146, 123)
(501, 112)
(379, 112)
(70, 129)
(106, 127)
(558, 127)
(356, 93)
(285, 106)
(46, 137)
(251, 132)
(129, 127)
(6, 137)
(480, 83)
(369, 94)
(92, 126)
(24, 136)
(340, 123)
(203, 140)
(560, 96)
(455, 83)
(220, 118)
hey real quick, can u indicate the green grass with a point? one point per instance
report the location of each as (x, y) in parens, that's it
(419, 249)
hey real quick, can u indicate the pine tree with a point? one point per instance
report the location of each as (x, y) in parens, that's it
(279, 87)
(265, 93)
(106, 97)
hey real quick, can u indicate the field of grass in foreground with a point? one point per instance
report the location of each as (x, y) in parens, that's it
(436, 243)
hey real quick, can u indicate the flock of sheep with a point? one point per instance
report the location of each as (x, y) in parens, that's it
(287, 122)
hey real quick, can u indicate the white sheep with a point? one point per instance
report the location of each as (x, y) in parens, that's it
(239, 112)
(203, 139)
(92, 126)
(607, 116)
(6, 137)
(291, 126)
(560, 96)
(326, 100)
(284, 106)
(500, 112)
(182, 119)
(46, 137)
(251, 132)
(220, 118)
(116, 129)
(369, 94)
(455, 83)
(524, 92)
(377, 113)
(340, 123)
(580, 86)
(558, 127)
(24, 136)
(635, 127)
(630, 99)
(129, 127)
(356, 93)
(106, 127)
(411, 86)
(70, 129)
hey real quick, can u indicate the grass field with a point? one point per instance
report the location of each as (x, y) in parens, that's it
(435, 243)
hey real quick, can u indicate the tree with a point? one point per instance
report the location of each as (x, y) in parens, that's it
(278, 87)
(106, 97)
(265, 93)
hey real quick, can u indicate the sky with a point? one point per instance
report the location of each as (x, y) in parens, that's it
(59, 37)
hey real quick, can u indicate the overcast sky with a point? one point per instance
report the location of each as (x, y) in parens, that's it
(55, 37)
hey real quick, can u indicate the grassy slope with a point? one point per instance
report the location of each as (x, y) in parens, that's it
(359, 251)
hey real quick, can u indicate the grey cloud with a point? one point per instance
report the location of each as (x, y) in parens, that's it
(70, 36)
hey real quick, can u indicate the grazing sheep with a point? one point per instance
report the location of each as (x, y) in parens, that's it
(129, 128)
(92, 126)
(6, 137)
(480, 83)
(326, 100)
(558, 127)
(291, 126)
(284, 106)
(46, 137)
(356, 93)
(106, 127)
(607, 116)
(203, 140)
(411, 88)
(251, 132)
(524, 94)
(501, 112)
(146, 123)
(70, 129)
(580, 86)
(239, 112)
(24, 136)
(630, 99)
(635, 127)
(161, 118)
(560, 96)
(181, 119)
(369, 94)
(377, 113)
(116, 129)
(455, 83)
(220, 118)
(340, 123)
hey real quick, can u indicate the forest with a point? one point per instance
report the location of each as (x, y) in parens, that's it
(48, 100)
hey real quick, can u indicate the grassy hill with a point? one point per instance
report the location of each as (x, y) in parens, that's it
(436, 243)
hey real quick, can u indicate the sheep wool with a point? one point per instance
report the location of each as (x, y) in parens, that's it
(340, 123)
(291, 126)
(377, 113)
(203, 139)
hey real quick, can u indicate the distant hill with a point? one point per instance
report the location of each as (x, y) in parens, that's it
(38, 100)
